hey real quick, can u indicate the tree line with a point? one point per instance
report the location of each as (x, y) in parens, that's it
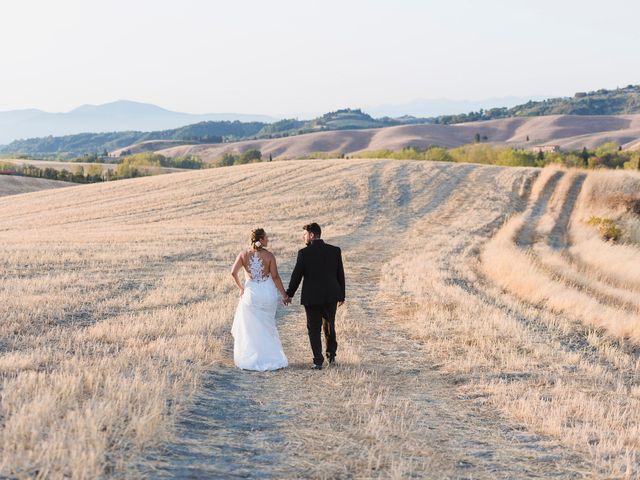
(608, 155)
(137, 165)
(250, 156)
(78, 174)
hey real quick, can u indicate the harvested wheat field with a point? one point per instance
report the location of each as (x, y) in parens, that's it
(489, 332)
(15, 184)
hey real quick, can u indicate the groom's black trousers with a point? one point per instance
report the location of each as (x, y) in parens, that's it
(322, 317)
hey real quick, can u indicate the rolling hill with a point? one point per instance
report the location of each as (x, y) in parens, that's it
(82, 143)
(599, 102)
(566, 131)
(203, 132)
(15, 184)
(117, 303)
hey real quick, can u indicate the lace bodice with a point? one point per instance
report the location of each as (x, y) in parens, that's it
(256, 268)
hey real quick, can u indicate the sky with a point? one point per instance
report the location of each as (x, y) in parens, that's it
(290, 57)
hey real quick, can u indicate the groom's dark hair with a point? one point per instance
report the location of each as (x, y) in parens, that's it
(313, 228)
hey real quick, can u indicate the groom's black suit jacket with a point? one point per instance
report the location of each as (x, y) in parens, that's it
(321, 266)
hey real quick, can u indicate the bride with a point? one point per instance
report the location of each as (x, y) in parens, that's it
(256, 341)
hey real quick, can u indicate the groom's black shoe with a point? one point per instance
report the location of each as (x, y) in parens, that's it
(316, 367)
(331, 359)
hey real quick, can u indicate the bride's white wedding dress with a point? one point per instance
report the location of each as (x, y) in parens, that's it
(256, 341)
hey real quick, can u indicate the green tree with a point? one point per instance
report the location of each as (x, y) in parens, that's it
(585, 156)
(437, 154)
(50, 173)
(189, 161)
(606, 149)
(94, 173)
(228, 159)
(78, 175)
(572, 160)
(126, 170)
(253, 155)
(632, 164)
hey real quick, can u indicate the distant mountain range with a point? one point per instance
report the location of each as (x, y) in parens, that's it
(115, 116)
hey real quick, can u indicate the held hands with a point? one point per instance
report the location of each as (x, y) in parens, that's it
(286, 300)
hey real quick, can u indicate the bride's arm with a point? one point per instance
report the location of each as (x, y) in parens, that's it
(273, 270)
(237, 266)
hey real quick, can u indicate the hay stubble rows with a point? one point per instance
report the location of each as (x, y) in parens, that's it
(116, 353)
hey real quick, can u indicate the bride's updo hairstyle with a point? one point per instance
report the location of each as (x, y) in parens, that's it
(256, 236)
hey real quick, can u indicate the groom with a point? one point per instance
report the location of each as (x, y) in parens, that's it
(323, 290)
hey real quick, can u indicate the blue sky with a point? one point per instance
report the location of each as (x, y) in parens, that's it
(283, 57)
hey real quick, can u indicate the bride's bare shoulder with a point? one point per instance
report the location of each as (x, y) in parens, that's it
(244, 254)
(270, 255)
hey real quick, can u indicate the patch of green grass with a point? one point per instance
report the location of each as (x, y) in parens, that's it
(606, 227)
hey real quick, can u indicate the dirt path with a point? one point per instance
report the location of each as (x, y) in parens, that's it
(384, 411)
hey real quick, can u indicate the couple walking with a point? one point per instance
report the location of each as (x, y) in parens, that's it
(319, 267)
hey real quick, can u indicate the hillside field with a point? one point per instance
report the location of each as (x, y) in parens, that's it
(568, 132)
(489, 330)
(15, 184)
